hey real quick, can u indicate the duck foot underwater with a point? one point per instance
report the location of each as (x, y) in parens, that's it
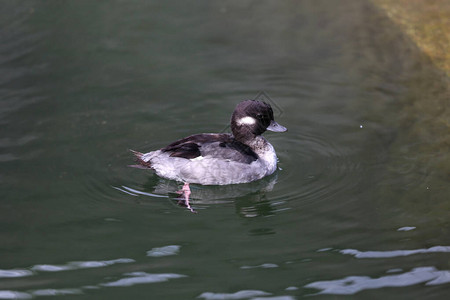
(184, 201)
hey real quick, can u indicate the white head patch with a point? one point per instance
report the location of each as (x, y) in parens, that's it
(246, 121)
(197, 158)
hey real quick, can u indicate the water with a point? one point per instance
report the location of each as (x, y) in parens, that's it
(360, 203)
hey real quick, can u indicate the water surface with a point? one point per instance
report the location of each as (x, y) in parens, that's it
(358, 207)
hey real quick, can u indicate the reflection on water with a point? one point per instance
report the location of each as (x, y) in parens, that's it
(141, 278)
(245, 294)
(249, 198)
(345, 286)
(53, 292)
(164, 251)
(238, 295)
(406, 228)
(394, 253)
(354, 284)
(264, 266)
(74, 265)
(213, 194)
(80, 265)
(127, 279)
(15, 273)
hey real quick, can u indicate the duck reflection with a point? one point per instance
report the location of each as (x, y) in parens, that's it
(250, 199)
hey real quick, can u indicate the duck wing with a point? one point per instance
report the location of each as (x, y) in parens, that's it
(220, 146)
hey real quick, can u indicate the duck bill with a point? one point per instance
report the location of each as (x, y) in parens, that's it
(275, 127)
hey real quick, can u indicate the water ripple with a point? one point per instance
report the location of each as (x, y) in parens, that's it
(263, 266)
(75, 265)
(141, 278)
(164, 251)
(15, 273)
(124, 280)
(321, 169)
(394, 253)
(231, 296)
(353, 284)
(56, 292)
(275, 298)
(7, 294)
(406, 228)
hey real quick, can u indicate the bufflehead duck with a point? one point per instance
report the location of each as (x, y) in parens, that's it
(220, 158)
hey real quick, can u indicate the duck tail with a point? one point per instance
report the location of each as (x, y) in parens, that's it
(140, 160)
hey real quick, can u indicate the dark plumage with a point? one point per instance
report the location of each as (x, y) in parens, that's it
(205, 144)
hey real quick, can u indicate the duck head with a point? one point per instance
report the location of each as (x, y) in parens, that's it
(252, 118)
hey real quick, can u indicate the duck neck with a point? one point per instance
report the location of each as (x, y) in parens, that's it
(257, 143)
(244, 139)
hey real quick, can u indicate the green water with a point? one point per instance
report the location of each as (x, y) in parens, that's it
(359, 207)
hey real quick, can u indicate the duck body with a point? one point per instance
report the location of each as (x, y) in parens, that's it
(221, 158)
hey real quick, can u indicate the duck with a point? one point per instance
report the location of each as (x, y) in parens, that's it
(241, 156)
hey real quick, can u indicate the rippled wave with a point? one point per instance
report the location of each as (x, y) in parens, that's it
(238, 295)
(244, 294)
(394, 253)
(354, 284)
(141, 278)
(164, 251)
(15, 273)
(75, 265)
(321, 169)
(262, 266)
(124, 280)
